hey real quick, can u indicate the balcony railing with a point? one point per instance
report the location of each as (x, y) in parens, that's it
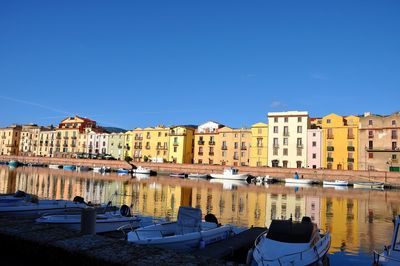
(177, 134)
(330, 148)
(299, 145)
(147, 147)
(286, 134)
(137, 146)
(275, 145)
(350, 136)
(200, 153)
(259, 146)
(370, 136)
(176, 144)
(243, 148)
(350, 148)
(330, 137)
(201, 142)
(235, 157)
(224, 148)
(138, 138)
(211, 143)
(350, 160)
(329, 159)
(211, 153)
(3, 137)
(65, 137)
(73, 137)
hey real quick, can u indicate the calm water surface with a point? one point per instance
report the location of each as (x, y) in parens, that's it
(359, 220)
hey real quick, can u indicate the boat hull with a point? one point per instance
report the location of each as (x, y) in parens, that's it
(299, 181)
(230, 177)
(335, 183)
(369, 185)
(44, 206)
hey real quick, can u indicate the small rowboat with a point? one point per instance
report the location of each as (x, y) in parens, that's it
(198, 175)
(299, 181)
(336, 183)
(369, 185)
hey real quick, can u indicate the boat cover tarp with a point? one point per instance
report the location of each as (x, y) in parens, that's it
(290, 232)
(189, 220)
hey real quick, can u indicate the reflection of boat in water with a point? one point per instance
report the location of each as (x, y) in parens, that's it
(298, 184)
(197, 175)
(335, 187)
(180, 175)
(391, 254)
(369, 185)
(290, 243)
(229, 184)
(141, 176)
(336, 183)
(231, 173)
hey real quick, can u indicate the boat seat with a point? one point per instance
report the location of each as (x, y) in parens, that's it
(189, 220)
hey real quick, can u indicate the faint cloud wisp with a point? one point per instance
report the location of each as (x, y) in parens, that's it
(277, 104)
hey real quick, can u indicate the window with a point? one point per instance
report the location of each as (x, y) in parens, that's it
(350, 155)
(285, 152)
(259, 142)
(275, 152)
(370, 155)
(275, 143)
(314, 134)
(330, 133)
(328, 121)
(276, 119)
(394, 134)
(223, 154)
(394, 145)
(393, 122)
(286, 131)
(235, 135)
(236, 145)
(200, 161)
(299, 129)
(286, 119)
(285, 141)
(259, 152)
(275, 129)
(259, 131)
(394, 156)
(175, 149)
(285, 164)
(298, 163)
(314, 156)
(314, 144)
(299, 142)
(299, 119)
(370, 144)
(370, 133)
(299, 152)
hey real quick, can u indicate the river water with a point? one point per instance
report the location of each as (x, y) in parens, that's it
(360, 221)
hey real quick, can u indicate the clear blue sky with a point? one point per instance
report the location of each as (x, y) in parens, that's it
(135, 64)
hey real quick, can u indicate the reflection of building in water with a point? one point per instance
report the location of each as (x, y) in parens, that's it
(283, 206)
(340, 217)
(313, 209)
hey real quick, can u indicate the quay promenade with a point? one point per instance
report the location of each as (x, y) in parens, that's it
(391, 179)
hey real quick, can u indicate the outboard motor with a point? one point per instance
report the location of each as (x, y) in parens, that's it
(211, 219)
(79, 199)
(125, 211)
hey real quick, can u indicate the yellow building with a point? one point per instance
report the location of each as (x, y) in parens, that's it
(258, 145)
(128, 144)
(235, 145)
(181, 144)
(47, 137)
(340, 217)
(151, 144)
(340, 142)
(10, 139)
(207, 144)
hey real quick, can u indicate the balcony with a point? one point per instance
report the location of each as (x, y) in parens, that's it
(299, 145)
(177, 134)
(148, 137)
(350, 160)
(286, 134)
(224, 148)
(243, 148)
(58, 137)
(176, 143)
(329, 159)
(394, 136)
(330, 137)
(200, 153)
(275, 145)
(65, 137)
(58, 145)
(211, 143)
(350, 148)
(147, 147)
(3, 137)
(350, 136)
(211, 153)
(138, 138)
(65, 145)
(159, 147)
(137, 146)
(235, 157)
(330, 148)
(371, 136)
(73, 137)
(201, 142)
(73, 145)
(137, 156)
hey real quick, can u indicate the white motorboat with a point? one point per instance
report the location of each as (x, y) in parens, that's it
(197, 175)
(188, 232)
(369, 185)
(105, 222)
(36, 207)
(229, 184)
(391, 254)
(231, 173)
(290, 243)
(141, 170)
(102, 169)
(55, 166)
(299, 181)
(336, 183)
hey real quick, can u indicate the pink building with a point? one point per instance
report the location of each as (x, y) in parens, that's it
(314, 145)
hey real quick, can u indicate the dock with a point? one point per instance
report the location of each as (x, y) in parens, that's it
(234, 248)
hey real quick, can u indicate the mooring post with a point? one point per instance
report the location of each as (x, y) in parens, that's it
(88, 221)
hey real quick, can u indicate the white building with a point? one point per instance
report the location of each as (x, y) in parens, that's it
(314, 148)
(287, 139)
(97, 142)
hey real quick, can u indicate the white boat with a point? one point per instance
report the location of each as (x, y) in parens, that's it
(290, 243)
(230, 184)
(188, 232)
(336, 183)
(55, 166)
(369, 185)
(142, 170)
(298, 185)
(36, 207)
(299, 181)
(391, 254)
(197, 175)
(105, 222)
(264, 179)
(102, 169)
(231, 173)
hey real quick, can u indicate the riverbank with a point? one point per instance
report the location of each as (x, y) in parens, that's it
(391, 179)
(28, 243)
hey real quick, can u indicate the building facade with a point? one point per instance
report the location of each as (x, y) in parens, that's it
(151, 144)
(314, 148)
(47, 142)
(379, 147)
(29, 142)
(9, 140)
(207, 143)
(340, 142)
(259, 145)
(235, 146)
(287, 139)
(181, 144)
(116, 143)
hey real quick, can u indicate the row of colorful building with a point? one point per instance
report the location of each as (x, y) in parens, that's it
(289, 139)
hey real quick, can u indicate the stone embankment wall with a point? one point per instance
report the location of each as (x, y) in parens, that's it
(390, 178)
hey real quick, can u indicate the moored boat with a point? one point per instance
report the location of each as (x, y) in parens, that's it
(82, 168)
(369, 185)
(180, 175)
(102, 169)
(231, 173)
(335, 183)
(14, 163)
(69, 167)
(299, 181)
(122, 171)
(197, 175)
(105, 222)
(391, 254)
(188, 232)
(290, 243)
(55, 166)
(141, 170)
